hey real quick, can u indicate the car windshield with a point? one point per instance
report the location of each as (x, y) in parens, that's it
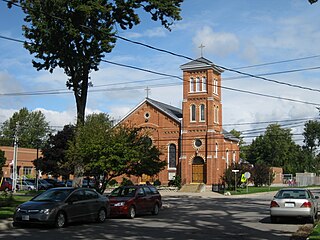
(294, 194)
(123, 192)
(54, 195)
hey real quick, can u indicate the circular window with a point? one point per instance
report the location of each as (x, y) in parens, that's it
(198, 143)
(146, 115)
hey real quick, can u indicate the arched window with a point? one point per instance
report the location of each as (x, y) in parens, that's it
(234, 156)
(193, 113)
(172, 156)
(214, 114)
(204, 84)
(217, 114)
(202, 113)
(191, 85)
(216, 151)
(215, 86)
(197, 84)
(227, 157)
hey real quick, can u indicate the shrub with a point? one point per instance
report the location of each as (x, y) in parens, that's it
(126, 182)
(112, 182)
(157, 182)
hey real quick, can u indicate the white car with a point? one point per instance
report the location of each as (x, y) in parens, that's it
(25, 185)
(294, 202)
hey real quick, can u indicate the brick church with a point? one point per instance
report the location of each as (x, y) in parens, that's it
(192, 139)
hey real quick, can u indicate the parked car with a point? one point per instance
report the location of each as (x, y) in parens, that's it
(5, 186)
(294, 202)
(25, 185)
(55, 182)
(68, 183)
(132, 200)
(88, 183)
(42, 184)
(59, 206)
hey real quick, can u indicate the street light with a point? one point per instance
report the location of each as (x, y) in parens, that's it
(235, 178)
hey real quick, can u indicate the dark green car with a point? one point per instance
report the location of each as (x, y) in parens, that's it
(59, 206)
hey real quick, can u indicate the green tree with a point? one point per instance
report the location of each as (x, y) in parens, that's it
(2, 161)
(275, 148)
(54, 150)
(105, 152)
(261, 175)
(30, 127)
(311, 146)
(242, 146)
(74, 35)
(230, 178)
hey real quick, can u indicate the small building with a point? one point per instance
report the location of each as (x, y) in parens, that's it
(192, 139)
(25, 158)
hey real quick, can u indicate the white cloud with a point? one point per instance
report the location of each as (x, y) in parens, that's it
(221, 43)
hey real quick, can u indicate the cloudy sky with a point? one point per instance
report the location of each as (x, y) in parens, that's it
(277, 40)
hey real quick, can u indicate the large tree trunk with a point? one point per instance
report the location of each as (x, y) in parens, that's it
(80, 92)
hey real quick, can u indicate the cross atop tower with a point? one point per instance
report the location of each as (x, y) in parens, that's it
(147, 91)
(201, 47)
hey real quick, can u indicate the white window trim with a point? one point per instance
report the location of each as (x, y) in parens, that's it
(191, 113)
(197, 84)
(191, 85)
(171, 168)
(204, 84)
(204, 113)
(216, 151)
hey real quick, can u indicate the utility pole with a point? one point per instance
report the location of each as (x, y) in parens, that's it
(15, 156)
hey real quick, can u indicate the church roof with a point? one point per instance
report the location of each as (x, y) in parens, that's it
(171, 111)
(174, 112)
(200, 63)
(229, 136)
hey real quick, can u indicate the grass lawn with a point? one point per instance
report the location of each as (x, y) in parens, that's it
(316, 233)
(8, 202)
(252, 189)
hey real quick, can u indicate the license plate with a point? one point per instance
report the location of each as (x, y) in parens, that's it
(25, 217)
(289, 205)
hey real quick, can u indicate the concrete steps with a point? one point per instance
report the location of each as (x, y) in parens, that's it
(193, 187)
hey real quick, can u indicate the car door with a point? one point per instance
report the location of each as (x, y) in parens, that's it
(92, 203)
(76, 207)
(141, 201)
(149, 200)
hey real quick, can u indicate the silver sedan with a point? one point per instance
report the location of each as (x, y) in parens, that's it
(294, 202)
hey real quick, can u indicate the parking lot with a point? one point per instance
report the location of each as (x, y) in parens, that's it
(184, 216)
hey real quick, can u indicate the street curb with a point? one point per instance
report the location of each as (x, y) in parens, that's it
(5, 224)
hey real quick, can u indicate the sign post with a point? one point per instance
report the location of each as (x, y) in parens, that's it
(247, 175)
(235, 178)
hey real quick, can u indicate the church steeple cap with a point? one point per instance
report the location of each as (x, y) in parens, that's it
(200, 64)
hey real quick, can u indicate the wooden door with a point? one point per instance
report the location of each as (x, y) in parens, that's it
(198, 173)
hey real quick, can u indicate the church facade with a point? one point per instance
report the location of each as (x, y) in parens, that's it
(191, 139)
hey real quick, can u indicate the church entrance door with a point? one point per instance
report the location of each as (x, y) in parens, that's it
(198, 170)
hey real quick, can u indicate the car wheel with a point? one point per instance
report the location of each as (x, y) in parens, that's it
(312, 219)
(132, 212)
(61, 220)
(102, 215)
(155, 210)
(273, 219)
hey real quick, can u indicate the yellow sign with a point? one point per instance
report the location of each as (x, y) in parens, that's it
(243, 178)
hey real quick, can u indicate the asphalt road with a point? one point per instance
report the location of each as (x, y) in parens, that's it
(197, 216)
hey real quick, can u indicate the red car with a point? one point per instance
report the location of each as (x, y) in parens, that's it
(133, 200)
(6, 186)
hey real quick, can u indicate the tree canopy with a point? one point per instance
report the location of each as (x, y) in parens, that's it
(106, 152)
(31, 128)
(54, 160)
(75, 35)
(275, 148)
(2, 161)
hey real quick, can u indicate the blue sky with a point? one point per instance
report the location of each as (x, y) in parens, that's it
(235, 33)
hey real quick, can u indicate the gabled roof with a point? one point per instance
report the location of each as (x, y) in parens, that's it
(230, 136)
(171, 111)
(199, 64)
